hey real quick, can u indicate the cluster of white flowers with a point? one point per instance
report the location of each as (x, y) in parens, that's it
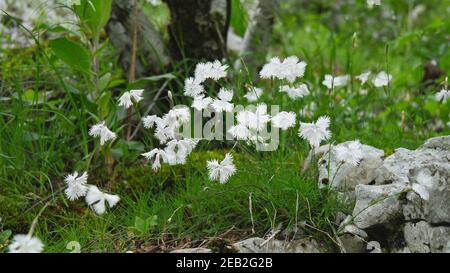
(381, 79)
(77, 187)
(167, 132)
(332, 82)
(289, 69)
(296, 92)
(193, 87)
(251, 123)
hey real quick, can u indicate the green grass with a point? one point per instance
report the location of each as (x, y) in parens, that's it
(46, 110)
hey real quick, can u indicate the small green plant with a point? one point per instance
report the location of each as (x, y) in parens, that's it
(143, 226)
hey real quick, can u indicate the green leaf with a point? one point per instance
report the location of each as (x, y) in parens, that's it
(239, 18)
(4, 236)
(95, 14)
(103, 82)
(140, 224)
(72, 53)
(103, 105)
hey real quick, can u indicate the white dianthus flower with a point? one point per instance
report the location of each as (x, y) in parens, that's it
(335, 82)
(364, 77)
(297, 92)
(284, 120)
(316, 132)
(192, 88)
(25, 244)
(253, 94)
(76, 186)
(290, 69)
(350, 153)
(221, 171)
(223, 102)
(158, 156)
(97, 200)
(100, 130)
(382, 79)
(126, 100)
(443, 95)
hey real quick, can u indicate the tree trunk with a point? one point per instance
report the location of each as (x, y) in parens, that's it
(258, 35)
(198, 29)
(152, 56)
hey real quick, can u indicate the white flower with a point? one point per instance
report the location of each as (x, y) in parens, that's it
(295, 92)
(290, 69)
(382, 79)
(76, 186)
(218, 70)
(240, 132)
(372, 3)
(201, 103)
(284, 120)
(25, 244)
(443, 95)
(165, 131)
(223, 102)
(100, 130)
(364, 77)
(149, 121)
(178, 150)
(97, 200)
(157, 155)
(254, 120)
(350, 153)
(253, 94)
(317, 132)
(192, 88)
(178, 115)
(221, 171)
(126, 100)
(334, 82)
(211, 70)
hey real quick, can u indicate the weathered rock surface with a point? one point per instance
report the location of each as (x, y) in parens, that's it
(259, 245)
(377, 205)
(345, 177)
(405, 207)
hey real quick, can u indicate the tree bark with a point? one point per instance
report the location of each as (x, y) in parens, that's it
(258, 35)
(198, 29)
(152, 56)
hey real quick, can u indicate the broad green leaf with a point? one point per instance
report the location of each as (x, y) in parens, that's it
(71, 53)
(103, 105)
(95, 14)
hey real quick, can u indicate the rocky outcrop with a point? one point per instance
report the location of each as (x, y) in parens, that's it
(402, 202)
